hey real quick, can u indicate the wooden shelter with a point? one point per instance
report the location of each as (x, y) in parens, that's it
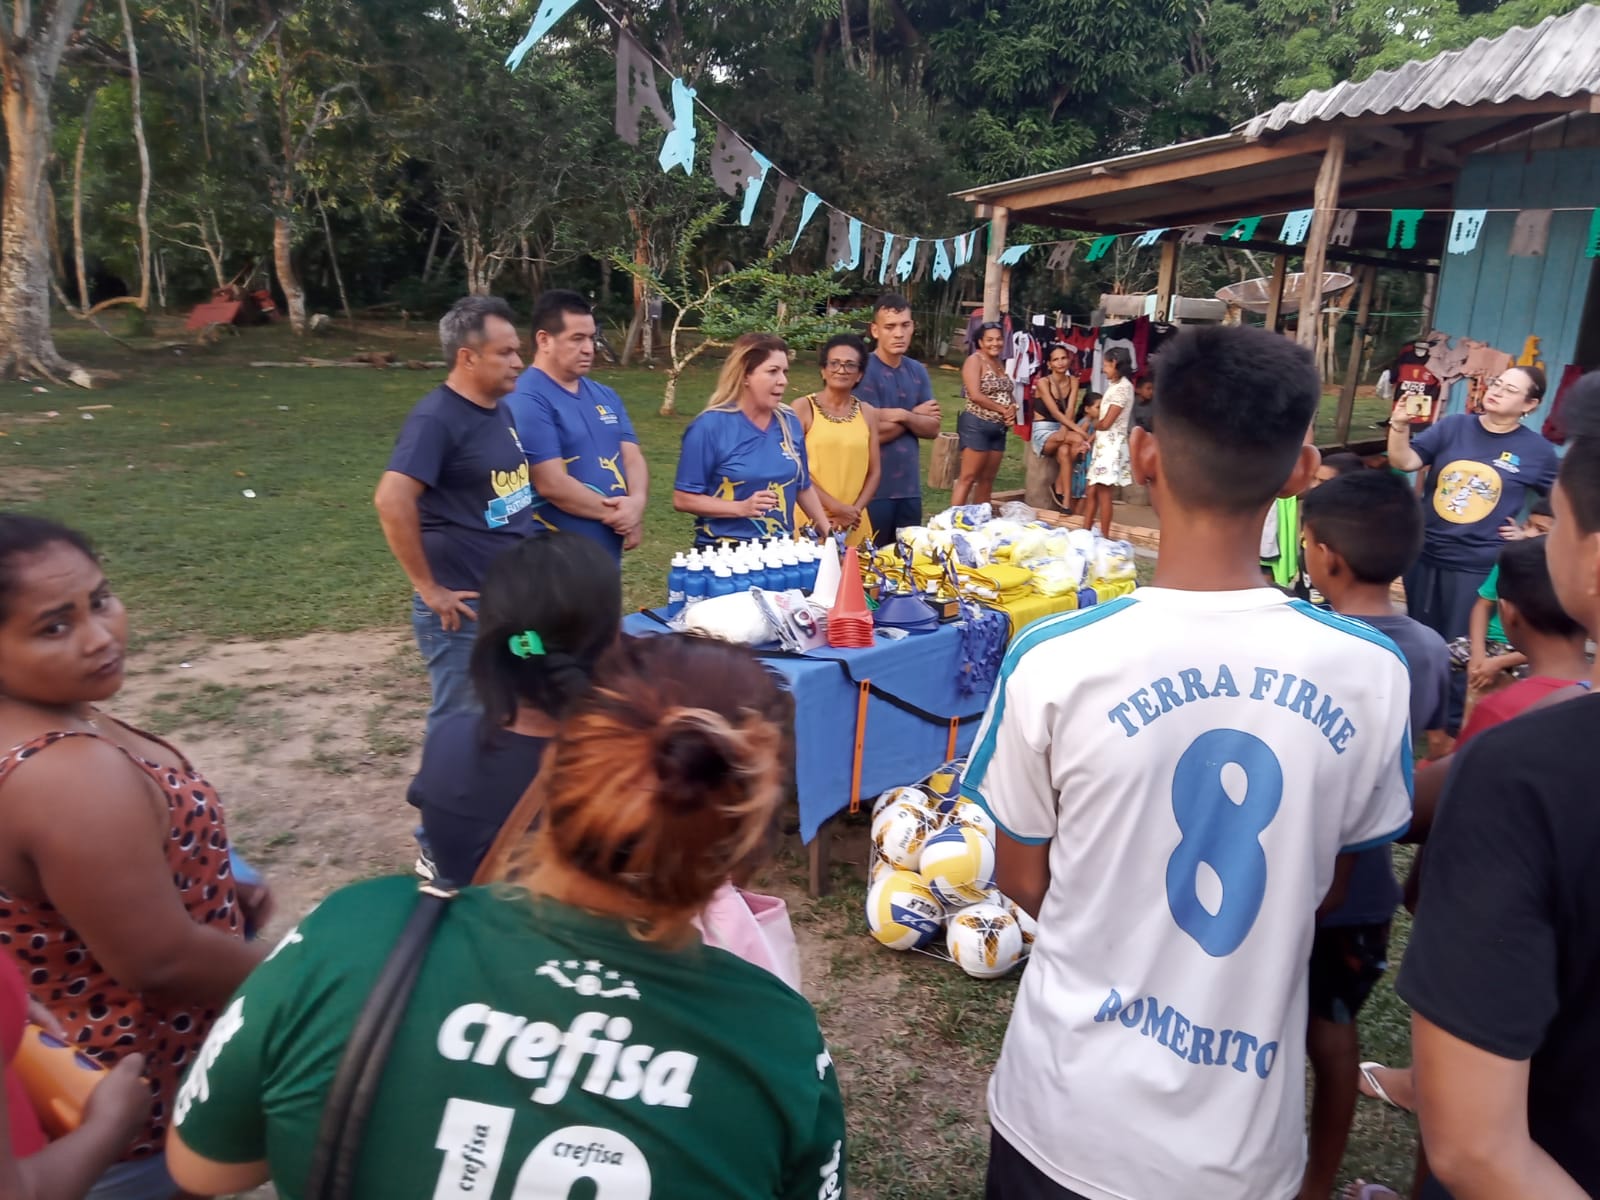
(1511, 122)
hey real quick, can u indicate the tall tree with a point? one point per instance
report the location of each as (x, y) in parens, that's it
(33, 37)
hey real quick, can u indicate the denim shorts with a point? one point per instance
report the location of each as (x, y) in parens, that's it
(1041, 434)
(974, 433)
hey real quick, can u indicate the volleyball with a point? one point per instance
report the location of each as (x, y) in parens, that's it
(1025, 924)
(879, 867)
(974, 816)
(985, 940)
(911, 795)
(945, 783)
(901, 912)
(901, 829)
(958, 864)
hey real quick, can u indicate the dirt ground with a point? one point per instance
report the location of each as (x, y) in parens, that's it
(311, 742)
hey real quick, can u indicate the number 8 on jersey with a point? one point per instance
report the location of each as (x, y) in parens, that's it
(1222, 829)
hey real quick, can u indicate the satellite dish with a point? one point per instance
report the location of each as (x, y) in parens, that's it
(1251, 295)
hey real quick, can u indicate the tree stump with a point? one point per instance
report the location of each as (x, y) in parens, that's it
(944, 466)
(1038, 474)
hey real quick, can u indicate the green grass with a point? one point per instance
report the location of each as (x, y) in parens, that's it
(157, 480)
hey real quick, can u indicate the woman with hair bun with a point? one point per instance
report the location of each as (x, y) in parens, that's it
(550, 607)
(567, 1024)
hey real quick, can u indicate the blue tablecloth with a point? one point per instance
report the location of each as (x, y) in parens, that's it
(901, 747)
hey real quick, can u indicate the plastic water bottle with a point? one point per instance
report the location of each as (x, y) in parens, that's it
(810, 564)
(759, 575)
(790, 559)
(740, 570)
(772, 565)
(677, 584)
(696, 585)
(722, 582)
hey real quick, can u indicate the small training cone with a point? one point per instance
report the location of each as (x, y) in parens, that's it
(827, 585)
(850, 598)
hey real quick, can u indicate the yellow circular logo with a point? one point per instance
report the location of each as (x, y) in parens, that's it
(1467, 492)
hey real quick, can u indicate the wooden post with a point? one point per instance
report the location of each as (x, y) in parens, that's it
(1325, 203)
(1005, 290)
(1280, 272)
(1166, 280)
(991, 264)
(1352, 371)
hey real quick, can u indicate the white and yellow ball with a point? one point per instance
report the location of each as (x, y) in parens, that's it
(878, 868)
(902, 913)
(944, 785)
(973, 816)
(901, 829)
(958, 864)
(1026, 924)
(908, 795)
(985, 940)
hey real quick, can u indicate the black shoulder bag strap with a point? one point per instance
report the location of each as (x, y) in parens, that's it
(355, 1084)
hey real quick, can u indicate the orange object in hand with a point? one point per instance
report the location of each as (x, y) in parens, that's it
(57, 1078)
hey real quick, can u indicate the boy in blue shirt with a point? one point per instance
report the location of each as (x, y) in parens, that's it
(589, 476)
(1362, 531)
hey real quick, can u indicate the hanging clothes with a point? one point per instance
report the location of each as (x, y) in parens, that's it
(1132, 336)
(1083, 340)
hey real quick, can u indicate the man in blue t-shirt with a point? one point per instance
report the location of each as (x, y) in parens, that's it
(900, 389)
(456, 491)
(587, 472)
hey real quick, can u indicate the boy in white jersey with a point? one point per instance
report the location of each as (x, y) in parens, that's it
(1174, 775)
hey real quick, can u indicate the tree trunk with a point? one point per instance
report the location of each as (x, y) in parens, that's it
(641, 292)
(669, 398)
(136, 96)
(433, 247)
(333, 256)
(26, 345)
(77, 204)
(294, 293)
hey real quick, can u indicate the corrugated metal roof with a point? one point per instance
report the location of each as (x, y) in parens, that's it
(1560, 56)
(1125, 162)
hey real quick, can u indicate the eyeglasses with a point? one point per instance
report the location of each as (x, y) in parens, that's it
(1509, 389)
(843, 364)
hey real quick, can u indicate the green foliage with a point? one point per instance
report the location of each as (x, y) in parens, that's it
(400, 116)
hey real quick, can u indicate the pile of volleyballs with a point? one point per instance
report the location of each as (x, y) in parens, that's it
(933, 874)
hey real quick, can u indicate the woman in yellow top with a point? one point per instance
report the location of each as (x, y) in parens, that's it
(842, 438)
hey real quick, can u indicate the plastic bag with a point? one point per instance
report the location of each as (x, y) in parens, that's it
(1016, 510)
(733, 618)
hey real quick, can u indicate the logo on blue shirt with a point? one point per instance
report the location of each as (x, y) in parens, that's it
(606, 413)
(1509, 462)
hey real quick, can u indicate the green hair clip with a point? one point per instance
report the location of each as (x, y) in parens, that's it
(527, 645)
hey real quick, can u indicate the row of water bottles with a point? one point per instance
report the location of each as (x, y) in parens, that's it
(775, 566)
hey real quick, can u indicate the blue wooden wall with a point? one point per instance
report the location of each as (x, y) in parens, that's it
(1490, 296)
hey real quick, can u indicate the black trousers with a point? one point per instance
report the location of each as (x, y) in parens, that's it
(1012, 1177)
(889, 517)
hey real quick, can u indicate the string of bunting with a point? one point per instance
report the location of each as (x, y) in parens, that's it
(1530, 233)
(736, 165)
(855, 245)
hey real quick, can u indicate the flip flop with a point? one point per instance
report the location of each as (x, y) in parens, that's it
(1367, 1073)
(1361, 1190)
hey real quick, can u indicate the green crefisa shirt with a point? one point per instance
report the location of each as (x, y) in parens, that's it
(542, 1046)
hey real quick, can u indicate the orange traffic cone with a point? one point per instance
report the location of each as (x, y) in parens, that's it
(849, 620)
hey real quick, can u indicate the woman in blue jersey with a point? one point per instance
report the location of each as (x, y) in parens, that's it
(743, 466)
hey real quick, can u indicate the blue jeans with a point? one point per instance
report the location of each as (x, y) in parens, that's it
(448, 655)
